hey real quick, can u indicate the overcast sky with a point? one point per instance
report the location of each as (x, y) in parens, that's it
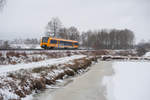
(28, 18)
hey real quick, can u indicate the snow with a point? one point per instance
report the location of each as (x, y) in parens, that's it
(8, 95)
(26, 46)
(130, 81)
(9, 68)
(29, 97)
(147, 54)
(8, 90)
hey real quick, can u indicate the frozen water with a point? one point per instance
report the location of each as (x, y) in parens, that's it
(131, 81)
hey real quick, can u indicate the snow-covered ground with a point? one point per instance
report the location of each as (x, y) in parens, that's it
(23, 80)
(26, 46)
(129, 76)
(131, 81)
(9, 68)
(16, 57)
(147, 54)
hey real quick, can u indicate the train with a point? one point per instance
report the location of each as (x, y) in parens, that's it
(51, 43)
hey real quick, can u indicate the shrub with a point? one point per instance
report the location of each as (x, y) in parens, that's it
(39, 84)
(141, 51)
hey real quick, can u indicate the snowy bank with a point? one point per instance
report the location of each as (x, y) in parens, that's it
(18, 81)
(9, 68)
(147, 54)
(130, 81)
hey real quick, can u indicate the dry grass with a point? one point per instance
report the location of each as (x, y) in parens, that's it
(27, 83)
(81, 64)
(39, 84)
(1, 97)
(126, 53)
(31, 57)
(40, 69)
(15, 54)
(50, 54)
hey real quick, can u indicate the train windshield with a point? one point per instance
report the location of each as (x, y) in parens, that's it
(45, 39)
(76, 44)
(53, 41)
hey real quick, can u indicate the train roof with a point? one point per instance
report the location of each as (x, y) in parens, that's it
(63, 39)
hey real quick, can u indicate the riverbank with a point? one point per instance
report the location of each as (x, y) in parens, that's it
(88, 86)
(106, 80)
(16, 83)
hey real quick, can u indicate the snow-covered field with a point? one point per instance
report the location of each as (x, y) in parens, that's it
(26, 46)
(131, 81)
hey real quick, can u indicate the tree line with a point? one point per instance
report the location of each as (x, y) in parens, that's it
(97, 39)
(12, 44)
(108, 39)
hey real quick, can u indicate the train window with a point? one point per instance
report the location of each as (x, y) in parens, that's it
(66, 43)
(61, 42)
(53, 41)
(76, 44)
(69, 43)
(45, 39)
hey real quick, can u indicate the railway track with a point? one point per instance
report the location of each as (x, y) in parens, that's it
(38, 49)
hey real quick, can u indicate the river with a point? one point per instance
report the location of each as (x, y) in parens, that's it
(104, 81)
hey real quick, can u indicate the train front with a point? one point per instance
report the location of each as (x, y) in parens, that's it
(44, 42)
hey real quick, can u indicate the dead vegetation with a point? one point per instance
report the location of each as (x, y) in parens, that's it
(14, 57)
(126, 53)
(24, 82)
(16, 54)
(130, 58)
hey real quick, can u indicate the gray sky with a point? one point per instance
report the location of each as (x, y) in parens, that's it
(28, 18)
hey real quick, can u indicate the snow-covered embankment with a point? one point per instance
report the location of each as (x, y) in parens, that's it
(130, 81)
(18, 81)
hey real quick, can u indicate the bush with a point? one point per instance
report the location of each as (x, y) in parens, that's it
(141, 51)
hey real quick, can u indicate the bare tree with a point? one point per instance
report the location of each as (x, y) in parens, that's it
(73, 33)
(112, 39)
(53, 27)
(86, 39)
(63, 33)
(31, 41)
(141, 51)
(2, 3)
(143, 44)
(5, 45)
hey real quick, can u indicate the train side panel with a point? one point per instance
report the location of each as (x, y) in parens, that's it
(48, 42)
